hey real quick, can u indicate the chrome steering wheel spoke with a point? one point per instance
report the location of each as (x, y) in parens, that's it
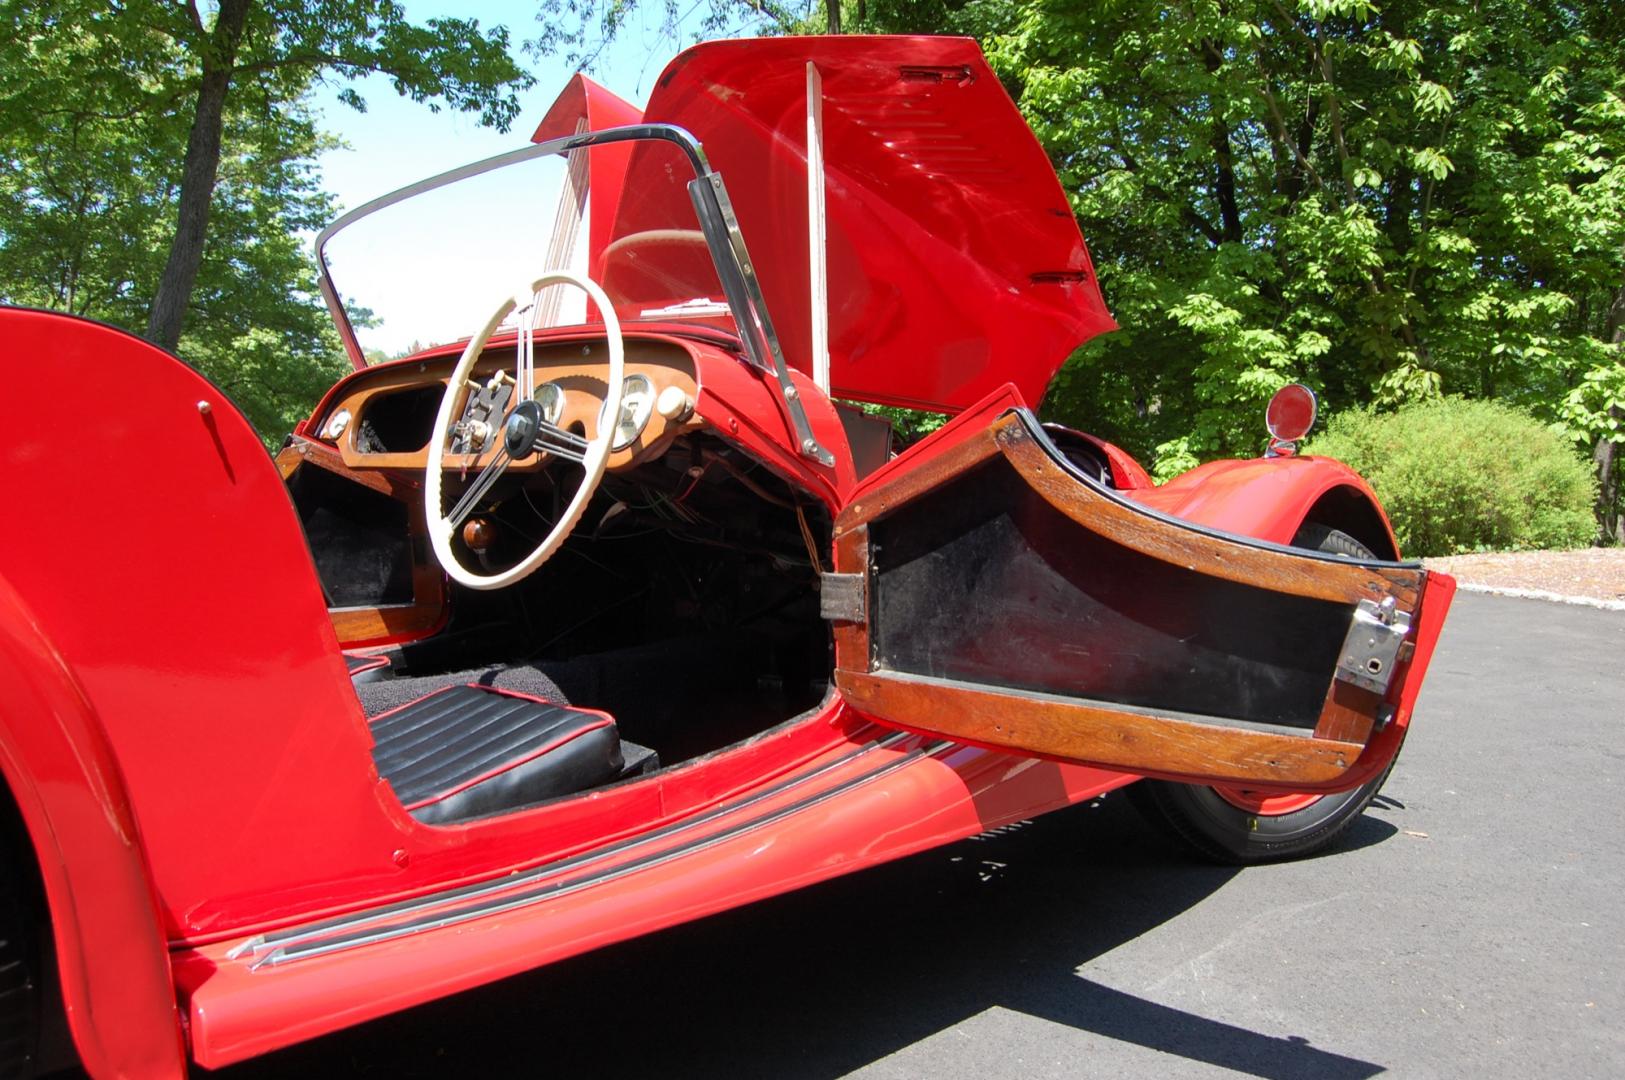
(480, 487)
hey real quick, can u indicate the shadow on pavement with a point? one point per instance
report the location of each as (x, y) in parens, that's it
(827, 980)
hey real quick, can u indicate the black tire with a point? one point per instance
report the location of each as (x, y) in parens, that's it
(1217, 829)
(1330, 541)
(20, 996)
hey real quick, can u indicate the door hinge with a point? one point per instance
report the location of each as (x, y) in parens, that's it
(1371, 651)
(843, 598)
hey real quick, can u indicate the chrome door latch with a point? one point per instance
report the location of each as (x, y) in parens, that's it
(1371, 651)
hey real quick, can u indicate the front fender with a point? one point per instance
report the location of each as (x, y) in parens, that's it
(1267, 498)
(110, 949)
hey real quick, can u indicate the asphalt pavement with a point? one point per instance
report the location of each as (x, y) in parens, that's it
(1471, 924)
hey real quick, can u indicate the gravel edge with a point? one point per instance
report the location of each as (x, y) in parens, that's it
(1542, 594)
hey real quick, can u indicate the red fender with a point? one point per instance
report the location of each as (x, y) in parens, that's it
(1265, 498)
(109, 945)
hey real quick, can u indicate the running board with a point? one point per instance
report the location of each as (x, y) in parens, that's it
(453, 906)
(273, 990)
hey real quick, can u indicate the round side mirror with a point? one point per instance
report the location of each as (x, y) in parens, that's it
(1291, 412)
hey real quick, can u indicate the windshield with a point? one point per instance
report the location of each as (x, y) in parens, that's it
(427, 265)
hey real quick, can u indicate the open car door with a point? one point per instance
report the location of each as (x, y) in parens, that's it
(992, 594)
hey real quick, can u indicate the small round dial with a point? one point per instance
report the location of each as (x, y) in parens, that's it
(335, 426)
(637, 402)
(550, 396)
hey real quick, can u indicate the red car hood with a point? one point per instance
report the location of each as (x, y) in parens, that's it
(955, 264)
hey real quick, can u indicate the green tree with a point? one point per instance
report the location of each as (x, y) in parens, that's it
(1387, 201)
(138, 187)
(270, 42)
(580, 30)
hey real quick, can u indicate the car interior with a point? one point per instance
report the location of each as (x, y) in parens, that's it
(679, 617)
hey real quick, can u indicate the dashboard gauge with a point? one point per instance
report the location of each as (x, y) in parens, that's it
(637, 402)
(550, 396)
(337, 423)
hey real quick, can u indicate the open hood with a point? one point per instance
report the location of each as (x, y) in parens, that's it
(954, 262)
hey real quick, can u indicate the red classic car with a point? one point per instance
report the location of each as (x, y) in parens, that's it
(621, 611)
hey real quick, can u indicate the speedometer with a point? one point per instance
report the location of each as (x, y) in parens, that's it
(637, 402)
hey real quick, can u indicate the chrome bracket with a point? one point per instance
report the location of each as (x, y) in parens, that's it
(843, 598)
(1371, 651)
(744, 292)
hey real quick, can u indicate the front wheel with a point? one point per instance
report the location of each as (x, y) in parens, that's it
(1239, 826)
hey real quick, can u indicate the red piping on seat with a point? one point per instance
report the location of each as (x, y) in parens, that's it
(605, 720)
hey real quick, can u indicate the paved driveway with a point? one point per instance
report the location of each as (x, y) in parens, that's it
(1472, 924)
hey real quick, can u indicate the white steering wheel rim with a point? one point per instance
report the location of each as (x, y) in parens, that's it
(595, 458)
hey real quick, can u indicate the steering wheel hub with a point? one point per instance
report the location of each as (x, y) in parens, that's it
(524, 427)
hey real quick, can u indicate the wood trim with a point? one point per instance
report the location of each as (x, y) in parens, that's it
(1075, 731)
(917, 481)
(1349, 713)
(1096, 732)
(302, 450)
(1136, 528)
(1196, 549)
(578, 366)
(358, 627)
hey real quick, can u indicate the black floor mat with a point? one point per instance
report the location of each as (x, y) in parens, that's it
(385, 694)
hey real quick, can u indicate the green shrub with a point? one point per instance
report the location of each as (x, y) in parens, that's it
(1457, 475)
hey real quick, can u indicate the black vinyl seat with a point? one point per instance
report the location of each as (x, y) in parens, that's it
(470, 751)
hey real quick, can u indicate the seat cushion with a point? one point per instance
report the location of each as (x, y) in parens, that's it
(470, 751)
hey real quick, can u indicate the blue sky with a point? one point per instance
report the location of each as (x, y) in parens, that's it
(396, 141)
(414, 282)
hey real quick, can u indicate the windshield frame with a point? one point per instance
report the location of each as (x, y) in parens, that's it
(723, 238)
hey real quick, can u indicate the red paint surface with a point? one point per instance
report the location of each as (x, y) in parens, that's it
(66, 783)
(236, 1013)
(583, 99)
(1265, 498)
(217, 687)
(176, 721)
(955, 264)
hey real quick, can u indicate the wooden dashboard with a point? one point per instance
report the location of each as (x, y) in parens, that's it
(391, 413)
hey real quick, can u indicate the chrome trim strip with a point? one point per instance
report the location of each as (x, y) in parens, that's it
(739, 283)
(338, 924)
(291, 953)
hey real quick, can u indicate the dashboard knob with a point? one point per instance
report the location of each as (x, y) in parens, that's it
(479, 534)
(674, 403)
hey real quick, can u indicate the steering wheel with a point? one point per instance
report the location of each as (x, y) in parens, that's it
(523, 431)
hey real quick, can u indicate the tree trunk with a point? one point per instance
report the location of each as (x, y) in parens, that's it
(1224, 162)
(1605, 457)
(198, 176)
(833, 7)
(1611, 529)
